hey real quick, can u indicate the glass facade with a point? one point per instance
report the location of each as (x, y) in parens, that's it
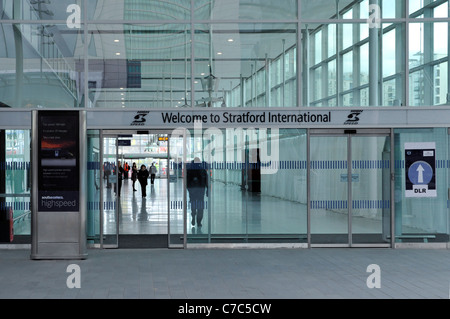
(224, 54)
(16, 177)
(325, 186)
(252, 198)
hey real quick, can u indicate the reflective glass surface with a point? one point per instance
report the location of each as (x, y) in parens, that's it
(245, 65)
(40, 66)
(256, 191)
(245, 10)
(41, 10)
(139, 66)
(15, 178)
(419, 219)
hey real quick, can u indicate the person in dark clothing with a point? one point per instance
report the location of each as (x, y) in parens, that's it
(134, 174)
(120, 177)
(197, 186)
(142, 178)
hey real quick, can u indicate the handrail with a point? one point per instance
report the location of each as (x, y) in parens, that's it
(22, 216)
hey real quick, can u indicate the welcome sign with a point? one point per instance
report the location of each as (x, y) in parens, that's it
(219, 118)
(246, 118)
(269, 117)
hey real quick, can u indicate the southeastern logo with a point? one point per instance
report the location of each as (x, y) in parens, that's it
(353, 117)
(139, 118)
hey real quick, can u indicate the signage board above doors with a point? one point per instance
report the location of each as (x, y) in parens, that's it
(349, 118)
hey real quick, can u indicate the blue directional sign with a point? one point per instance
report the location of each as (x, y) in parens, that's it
(420, 168)
(420, 173)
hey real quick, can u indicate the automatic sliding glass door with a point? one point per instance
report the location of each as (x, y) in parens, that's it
(350, 188)
(147, 214)
(110, 202)
(329, 190)
(370, 189)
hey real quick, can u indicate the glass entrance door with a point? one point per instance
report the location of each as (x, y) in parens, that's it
(135, 212)
(350, 188)
(370, 189)
(329, 189)
(110, 186)
(15, 179)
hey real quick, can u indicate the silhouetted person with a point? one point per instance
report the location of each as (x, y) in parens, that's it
(134, 174)
(197, 186)
(120, 177)
(142, 178)
(152, 173)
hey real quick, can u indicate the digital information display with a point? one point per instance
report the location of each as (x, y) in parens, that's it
(59, 162)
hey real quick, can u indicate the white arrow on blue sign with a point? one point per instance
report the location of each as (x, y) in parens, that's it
(420, 173)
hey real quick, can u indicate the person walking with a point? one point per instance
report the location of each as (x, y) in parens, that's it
(152, 173)
(126, 169)
(197, 186)
(134, 174)
(120, 177)
(142, 178)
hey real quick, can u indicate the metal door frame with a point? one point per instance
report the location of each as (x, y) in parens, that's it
(104, 133)
(348, 133)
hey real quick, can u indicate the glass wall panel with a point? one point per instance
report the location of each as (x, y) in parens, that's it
(139, 10)
(441, 11)
(111, 202)
(428, 60)
(416, 5)
(349, 69)
(363, 64)
(419, 219)
(245, 10)
(41, 10)
(319, 10)
(15, 177)
(428, 8)
(176, 217)
(93, 183)
(370, 185)
(347, 40)
(389, 53)
(281, 205)
(256, 186)
(325, 9)
(255, 61)
(393, 9)
(40, 66)
(329, 190)
(139, 66)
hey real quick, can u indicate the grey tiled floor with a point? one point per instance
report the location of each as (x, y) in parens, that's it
(230, 274)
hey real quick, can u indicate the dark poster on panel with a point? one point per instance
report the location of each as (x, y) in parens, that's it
(58, 167)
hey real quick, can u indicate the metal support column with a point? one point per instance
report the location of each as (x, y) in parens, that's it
(374, 62)
(448, 63)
